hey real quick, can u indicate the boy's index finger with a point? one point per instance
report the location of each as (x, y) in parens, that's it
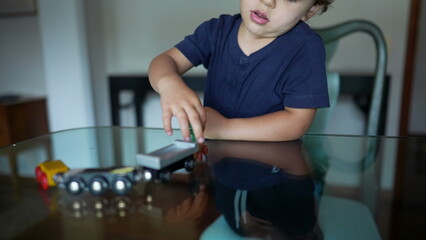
(196, 125)
(196, 134)
(183, 124)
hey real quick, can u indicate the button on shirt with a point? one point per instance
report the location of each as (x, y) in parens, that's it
(290, 71)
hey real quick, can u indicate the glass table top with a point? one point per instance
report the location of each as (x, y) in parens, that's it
(318, 187)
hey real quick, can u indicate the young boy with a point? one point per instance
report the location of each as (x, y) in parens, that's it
(266, 74)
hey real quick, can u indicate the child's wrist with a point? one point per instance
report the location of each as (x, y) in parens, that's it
(168, 84)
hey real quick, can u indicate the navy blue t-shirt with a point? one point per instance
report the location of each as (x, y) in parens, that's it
(290, 71)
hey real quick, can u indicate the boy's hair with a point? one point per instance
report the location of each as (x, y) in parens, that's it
(324, 3)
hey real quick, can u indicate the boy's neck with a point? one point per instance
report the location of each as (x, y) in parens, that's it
(249, 43)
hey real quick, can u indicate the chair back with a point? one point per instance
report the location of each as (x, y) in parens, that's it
(322, 153)
(331, 35)
(323, 115)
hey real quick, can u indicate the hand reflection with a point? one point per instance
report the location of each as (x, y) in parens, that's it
(190, 208)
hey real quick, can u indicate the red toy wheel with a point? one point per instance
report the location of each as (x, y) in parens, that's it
(38, 174)
(43, 181)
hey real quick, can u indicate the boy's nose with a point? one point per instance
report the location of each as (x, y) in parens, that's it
(269, 3)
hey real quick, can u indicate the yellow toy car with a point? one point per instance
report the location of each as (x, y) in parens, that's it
(46, 171)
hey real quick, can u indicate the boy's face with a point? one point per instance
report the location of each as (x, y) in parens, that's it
(271, 18)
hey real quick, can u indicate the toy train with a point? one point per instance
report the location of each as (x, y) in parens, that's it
(155, 166)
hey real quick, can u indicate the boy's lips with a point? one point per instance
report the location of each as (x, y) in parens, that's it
(259, 17)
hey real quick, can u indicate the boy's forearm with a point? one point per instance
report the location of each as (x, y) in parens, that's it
(161, 70)
(271, 127)
(167, 68)
(278, 126)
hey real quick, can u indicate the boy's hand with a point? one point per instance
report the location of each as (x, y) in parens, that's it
(177, 99)
(182, 102)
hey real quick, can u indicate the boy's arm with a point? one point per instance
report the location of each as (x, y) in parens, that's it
(288, 124)
(177, 99)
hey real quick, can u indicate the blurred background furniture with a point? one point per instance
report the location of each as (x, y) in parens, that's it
(22, 118)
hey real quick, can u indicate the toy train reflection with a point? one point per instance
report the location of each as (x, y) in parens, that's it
(155, 166)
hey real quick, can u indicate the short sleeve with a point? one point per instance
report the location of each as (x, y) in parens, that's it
(198, 46)
(306, 83)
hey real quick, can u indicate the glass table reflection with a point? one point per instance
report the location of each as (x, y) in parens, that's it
(319, 187)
